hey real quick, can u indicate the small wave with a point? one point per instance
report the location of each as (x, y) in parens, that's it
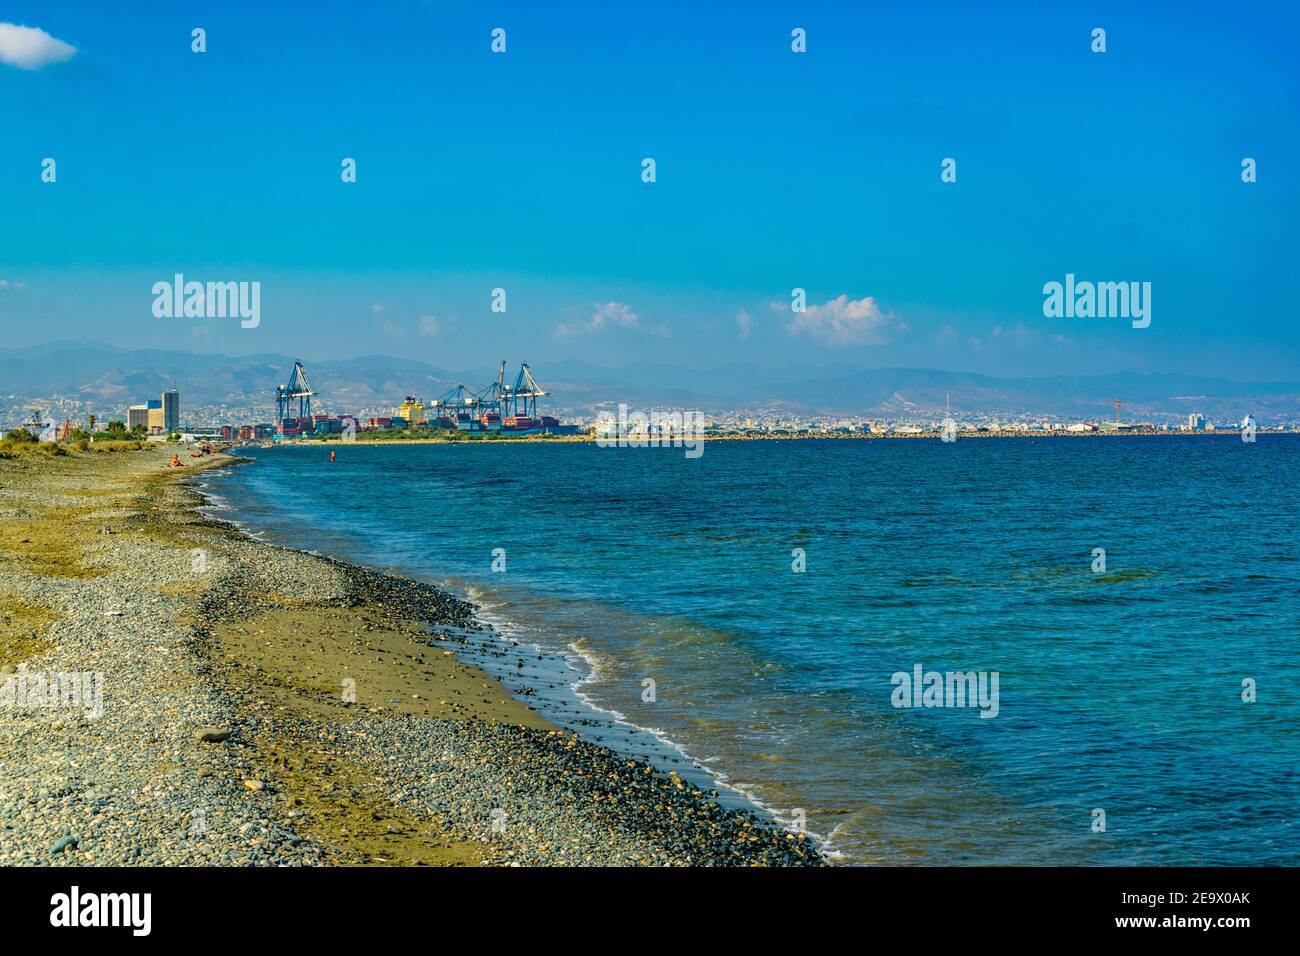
(723, 781)
(586, 667)
(590, 668)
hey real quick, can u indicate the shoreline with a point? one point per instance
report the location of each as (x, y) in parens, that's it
(481, 439)
(432, 761)
(539, 674)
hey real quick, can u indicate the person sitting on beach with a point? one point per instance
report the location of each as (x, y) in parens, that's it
(176, 461)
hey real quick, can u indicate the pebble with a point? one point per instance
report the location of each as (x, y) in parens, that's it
(151, 797)
(64, 843)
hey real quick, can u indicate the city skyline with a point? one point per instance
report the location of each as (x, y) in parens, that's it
(775, 171)
(73, 381)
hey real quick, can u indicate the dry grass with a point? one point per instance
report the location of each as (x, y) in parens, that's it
(39, 451)
(49, 546)
(23, 629)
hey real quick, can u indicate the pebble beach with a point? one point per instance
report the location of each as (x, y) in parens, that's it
(177, 693)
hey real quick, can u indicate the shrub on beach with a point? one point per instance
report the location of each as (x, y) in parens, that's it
(21, 443)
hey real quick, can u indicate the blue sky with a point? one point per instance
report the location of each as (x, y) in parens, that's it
(775, 170)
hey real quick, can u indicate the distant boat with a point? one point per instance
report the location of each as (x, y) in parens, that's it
(949, 426)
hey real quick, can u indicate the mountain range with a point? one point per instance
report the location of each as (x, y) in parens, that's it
(105, 379)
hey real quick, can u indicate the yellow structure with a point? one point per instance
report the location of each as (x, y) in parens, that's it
(152, 415)
(158, 417)
(412, 410)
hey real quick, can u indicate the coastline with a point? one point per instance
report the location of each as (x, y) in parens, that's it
(793, 436)
(260, 647)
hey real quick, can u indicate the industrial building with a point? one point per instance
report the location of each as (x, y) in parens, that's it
(161, 416)
(171, 411)
(137, 416)
(148, 416)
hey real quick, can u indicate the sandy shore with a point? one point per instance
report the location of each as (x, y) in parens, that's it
(264, 706)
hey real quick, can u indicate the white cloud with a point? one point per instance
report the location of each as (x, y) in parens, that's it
(614, 312)
(1017, 336)
(29, 48)
(429, 325)
(744, 323)
(841, 322)
(611, 315)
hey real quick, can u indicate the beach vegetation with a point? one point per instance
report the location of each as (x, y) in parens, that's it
(21, 443)
(23, 629)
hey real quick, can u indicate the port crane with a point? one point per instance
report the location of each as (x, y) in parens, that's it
(296, 388)
(490, 402)
(494, 395)
(454, 403)
(490, 405)
(527, 389)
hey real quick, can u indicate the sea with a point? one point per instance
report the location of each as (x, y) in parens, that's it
(792, 623)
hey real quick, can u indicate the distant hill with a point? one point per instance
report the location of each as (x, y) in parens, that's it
(106, 379)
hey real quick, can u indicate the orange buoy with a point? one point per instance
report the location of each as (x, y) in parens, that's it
(331, 456)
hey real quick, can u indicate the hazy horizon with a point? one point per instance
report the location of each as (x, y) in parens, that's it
(102, 378)
(831, 363)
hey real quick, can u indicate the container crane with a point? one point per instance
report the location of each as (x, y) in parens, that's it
(527, 389)
(493, 400)
(458, 404)
(296, 388)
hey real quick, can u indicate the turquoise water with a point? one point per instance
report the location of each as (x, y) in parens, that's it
(1119, 691)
